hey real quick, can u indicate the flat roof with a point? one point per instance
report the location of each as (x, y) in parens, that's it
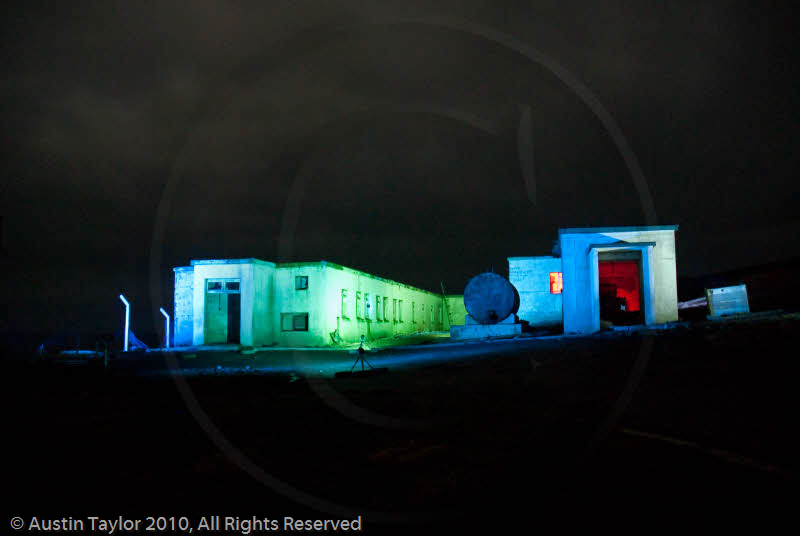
(323, 264)
(637, 228)
(328, 264)
(621, 245)
(251, 260)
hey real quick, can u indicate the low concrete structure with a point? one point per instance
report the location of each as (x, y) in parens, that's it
(472, 329)
(254, 302)
(619, 275)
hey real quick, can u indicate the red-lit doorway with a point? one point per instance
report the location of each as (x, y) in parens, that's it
(620, 291)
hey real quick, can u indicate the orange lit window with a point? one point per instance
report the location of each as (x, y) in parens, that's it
(556, 284)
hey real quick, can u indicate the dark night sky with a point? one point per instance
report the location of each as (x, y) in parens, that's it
(403, 138)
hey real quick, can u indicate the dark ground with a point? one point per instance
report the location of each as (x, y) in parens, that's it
(545, 439)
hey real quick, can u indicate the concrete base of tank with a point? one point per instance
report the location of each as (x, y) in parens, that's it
(473, 330)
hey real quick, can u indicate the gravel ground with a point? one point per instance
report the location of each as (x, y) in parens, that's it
(680, 429)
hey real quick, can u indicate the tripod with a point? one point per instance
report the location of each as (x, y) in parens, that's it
(361, 358)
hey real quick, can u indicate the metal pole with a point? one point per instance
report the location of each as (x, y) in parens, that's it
(166, 330)
(127, 319)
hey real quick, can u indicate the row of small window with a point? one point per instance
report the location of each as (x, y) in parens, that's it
(364, 309)
(222, 286)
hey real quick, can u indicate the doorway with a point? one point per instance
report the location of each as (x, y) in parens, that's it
(620, 282)
(223, 312)
(234, 315)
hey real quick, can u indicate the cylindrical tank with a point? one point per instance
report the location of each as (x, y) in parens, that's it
(490, 298)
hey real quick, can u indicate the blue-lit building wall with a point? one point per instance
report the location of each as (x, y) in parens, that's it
(539, 304)
(577, 307)
(182, 318)
(583, 248)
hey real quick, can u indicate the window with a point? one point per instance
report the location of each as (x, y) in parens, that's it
(301, 282)
(556, 283)
(366, 305)
(385, 309)
(294, 321)
(222, 286)
(400, 309)
(300, 322)
(344, 304)
(413, 312)
(394, 310)
(358, 304)
(378, 308)
(422, 311)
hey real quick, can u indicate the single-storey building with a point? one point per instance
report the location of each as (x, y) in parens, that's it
(255, 302)
(620, 275)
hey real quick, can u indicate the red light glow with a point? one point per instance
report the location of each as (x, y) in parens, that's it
(556, 283)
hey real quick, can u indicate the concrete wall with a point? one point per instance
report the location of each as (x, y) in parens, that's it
(531, 277)
(182, 317)
(396, 301)
(241, 269)
(458, 311)
(264, 327)
(473, 330)
(288, 300)
(580, 268)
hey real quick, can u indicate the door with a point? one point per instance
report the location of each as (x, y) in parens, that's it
(234, 317)
(620, 296)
